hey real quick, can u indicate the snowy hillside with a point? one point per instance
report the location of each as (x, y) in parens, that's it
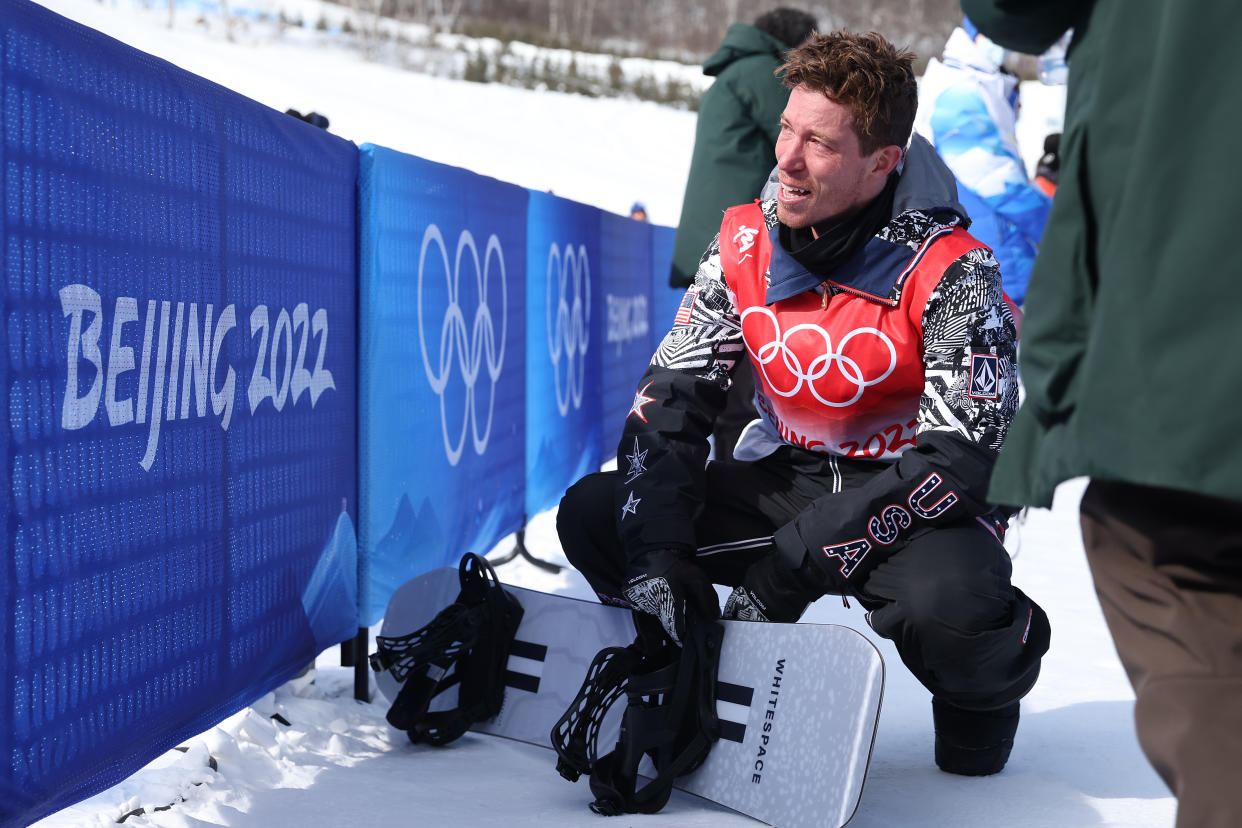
(337, 763)
(604, 152)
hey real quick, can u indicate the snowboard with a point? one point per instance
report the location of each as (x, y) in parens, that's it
(798, 703)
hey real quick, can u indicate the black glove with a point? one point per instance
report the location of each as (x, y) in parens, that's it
(666, 584)
(846, 535)
(771, 591)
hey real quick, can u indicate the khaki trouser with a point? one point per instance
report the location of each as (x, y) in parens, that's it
(1168, 571)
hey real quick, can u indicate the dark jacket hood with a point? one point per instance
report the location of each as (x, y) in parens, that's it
(742, 40)
(926, 184)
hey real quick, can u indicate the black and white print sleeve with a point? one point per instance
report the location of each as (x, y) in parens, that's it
(706, 337)
(970, 354)
(663, 448)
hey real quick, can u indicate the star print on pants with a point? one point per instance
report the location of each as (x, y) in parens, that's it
(640, 400)
(637, 461)
(631, 506)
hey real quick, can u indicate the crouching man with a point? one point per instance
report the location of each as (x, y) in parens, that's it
(883, 350)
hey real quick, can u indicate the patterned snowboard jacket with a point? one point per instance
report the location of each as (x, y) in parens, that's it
(900, 365)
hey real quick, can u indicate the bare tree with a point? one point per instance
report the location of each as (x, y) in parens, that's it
(227, 16)
(554, 18)
(446, 14)
(369, 15)
(691, 29)
(584, 20)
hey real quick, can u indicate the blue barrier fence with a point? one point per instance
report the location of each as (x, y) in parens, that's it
(564, 298)
(442, 367)
(230, 338)
(179, 322)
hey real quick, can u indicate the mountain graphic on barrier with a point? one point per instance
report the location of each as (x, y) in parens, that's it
(415, 543)
(547, 479)
(331, 595)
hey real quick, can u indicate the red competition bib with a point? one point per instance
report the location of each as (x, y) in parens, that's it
(843, 376)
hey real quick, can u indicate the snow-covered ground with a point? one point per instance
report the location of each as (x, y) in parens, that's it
(1076, 761)
(605, 152)
(337, 763)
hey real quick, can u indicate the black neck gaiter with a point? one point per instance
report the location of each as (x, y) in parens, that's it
(839, 241)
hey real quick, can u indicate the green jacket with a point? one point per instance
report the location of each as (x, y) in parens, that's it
(1129, 356)
(734, 141)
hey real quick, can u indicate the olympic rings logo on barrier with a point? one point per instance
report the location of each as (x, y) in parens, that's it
(569, 333)
(475, 344)
(823, 362)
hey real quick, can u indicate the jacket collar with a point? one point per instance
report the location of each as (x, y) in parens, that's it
(871, 273)
(925, 185)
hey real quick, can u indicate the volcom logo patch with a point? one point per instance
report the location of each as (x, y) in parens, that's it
(984, 377)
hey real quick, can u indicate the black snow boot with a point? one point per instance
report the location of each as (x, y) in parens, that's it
(973, 742)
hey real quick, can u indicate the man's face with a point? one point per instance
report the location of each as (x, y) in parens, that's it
(823, 173)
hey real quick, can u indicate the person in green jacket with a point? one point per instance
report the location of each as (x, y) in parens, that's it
(1130, 365)
(738, 123)
(734, 149)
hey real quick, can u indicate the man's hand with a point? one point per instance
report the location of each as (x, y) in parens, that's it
(771, 591)
(845, 535)
(667, 585)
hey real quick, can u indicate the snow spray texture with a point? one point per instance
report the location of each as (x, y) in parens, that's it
(180, 397)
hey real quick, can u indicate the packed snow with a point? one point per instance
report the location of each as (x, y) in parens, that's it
(1076, 761)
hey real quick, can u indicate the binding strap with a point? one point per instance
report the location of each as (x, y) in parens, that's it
(575, 736)
(465, 646)
(670, 717)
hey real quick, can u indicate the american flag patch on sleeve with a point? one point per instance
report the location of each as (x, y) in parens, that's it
(687, 305)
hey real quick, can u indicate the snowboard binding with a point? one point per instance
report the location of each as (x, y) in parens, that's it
(465, 646)
(575, 736)
(670, 717)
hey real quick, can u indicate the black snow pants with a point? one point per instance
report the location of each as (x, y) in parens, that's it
(945, 600)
